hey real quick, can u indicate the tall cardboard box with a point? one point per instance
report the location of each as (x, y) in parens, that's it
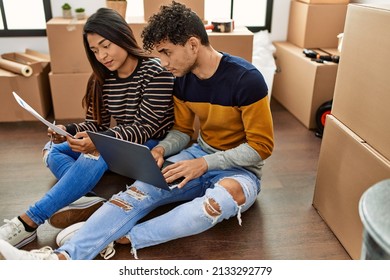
(239, 42)
(65, 38)
(10, 111)
(325, 1)
(302, 85)
(137, 25)
(315, 25)
(69, 90)
(34, 89)
(362, 92)
(153, 6)
(347, 167)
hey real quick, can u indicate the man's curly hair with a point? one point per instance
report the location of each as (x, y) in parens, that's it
(174, 22)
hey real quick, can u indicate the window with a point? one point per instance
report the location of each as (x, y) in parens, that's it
(34, 12)
(254, 14)
(29, 17)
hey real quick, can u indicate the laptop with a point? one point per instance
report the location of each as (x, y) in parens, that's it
(131, 160)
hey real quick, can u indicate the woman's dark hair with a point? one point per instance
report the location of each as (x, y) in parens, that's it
(175, 22)
(112, 26)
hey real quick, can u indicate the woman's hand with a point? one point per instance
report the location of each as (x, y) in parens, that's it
(55, 137)
(82, 143)
(158, 154)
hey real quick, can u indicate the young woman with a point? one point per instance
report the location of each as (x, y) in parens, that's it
(126, 85)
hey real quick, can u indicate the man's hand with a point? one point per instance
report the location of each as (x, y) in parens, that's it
(82, 143)
(189, 169)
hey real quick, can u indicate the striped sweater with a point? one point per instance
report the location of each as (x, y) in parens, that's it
(140, 104)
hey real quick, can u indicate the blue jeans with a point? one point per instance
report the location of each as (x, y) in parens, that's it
(77, 175)
(111, 222)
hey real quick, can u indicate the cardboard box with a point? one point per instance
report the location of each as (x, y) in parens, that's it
(38, 62)
(362, 92)
(137, 24)
(302, 85)
(226, 42)
(65, 38)
(153, 6)
(315, 25)
(239, 42)
(66, 46)
(35, 89)
(68, 90)
(325, 1)
(347, 167)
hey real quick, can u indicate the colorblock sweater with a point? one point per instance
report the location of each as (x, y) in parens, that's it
(236, 127)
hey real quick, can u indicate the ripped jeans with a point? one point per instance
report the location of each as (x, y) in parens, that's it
(77, 174)
(111, 222)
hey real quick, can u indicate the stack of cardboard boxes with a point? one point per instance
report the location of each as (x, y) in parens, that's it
(31, 85)
(238, 42)
(300, 84)
(355, 150)
(71, 69)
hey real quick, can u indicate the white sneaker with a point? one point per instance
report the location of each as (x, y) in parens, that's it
(66, 234)
(9, 252)
(14, 233)
(108, 252)
(78, 211)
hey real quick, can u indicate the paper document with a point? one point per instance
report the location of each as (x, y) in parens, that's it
(39, 117)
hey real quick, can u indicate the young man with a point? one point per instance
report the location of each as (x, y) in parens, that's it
(222, 170)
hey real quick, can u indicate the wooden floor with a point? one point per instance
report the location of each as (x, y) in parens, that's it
(282, 224)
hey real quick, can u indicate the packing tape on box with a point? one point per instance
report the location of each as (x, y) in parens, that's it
(15, 67)
(222, 26)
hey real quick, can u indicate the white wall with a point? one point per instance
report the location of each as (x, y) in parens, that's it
(17, 44)
(279, 23)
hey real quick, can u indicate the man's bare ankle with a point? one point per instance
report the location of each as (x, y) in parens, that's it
(123, 240)
(61, 257)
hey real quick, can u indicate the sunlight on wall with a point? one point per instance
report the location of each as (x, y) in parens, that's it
(246, 12)
(1, 21)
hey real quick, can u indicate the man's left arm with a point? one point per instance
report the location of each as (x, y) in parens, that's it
(243, 155)
(259, 143)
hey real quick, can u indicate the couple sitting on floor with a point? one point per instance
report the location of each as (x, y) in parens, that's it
(154, 102)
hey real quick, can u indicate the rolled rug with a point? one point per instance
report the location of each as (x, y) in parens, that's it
(15, 67)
